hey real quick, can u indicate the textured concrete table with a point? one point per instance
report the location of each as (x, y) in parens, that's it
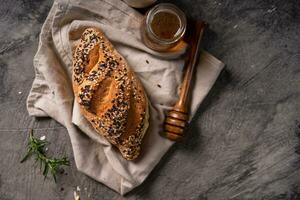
(244, 142)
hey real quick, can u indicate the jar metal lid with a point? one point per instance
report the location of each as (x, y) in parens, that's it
(139, 3)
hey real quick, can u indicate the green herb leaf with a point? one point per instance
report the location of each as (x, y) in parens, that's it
(35, 148)
(26, 157)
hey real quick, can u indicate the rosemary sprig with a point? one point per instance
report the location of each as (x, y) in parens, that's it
(36, 147)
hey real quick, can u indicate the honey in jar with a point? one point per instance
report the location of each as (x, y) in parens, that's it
(164, 27)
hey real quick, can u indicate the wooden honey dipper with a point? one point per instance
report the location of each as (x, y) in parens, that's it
(177, 118)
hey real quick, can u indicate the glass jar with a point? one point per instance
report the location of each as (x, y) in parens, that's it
(163, 27)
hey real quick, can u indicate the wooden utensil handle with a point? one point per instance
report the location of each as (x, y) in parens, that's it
(178, 116)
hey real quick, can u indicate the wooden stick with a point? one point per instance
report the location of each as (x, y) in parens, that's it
(177, 118)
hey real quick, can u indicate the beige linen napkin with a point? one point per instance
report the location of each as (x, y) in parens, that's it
(51, 94)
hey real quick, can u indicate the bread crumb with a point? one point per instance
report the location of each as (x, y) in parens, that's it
(78, 188)
(43, 137)
(20, 92)
(76, 196)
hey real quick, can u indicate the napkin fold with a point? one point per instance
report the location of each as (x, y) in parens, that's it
(52, 95)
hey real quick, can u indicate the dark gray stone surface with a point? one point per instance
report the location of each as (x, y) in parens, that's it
(244, 142)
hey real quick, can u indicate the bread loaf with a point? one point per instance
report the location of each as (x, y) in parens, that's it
(111, 97)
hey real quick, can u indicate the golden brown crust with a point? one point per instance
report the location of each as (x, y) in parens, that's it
(110, 96)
